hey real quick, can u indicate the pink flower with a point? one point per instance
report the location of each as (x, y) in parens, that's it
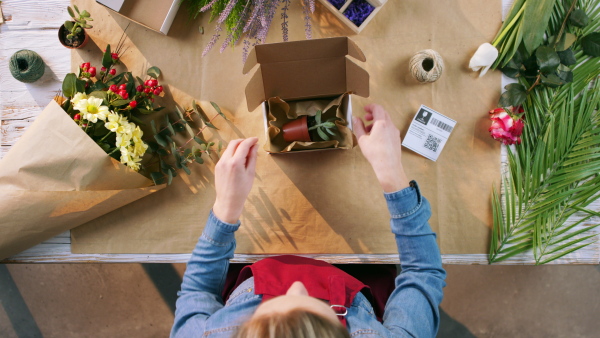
(507, 125)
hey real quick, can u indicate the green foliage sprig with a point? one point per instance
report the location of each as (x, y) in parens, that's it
(554, 173)
(324, 127)
(171, 157)
(80, 22)
(549, 62)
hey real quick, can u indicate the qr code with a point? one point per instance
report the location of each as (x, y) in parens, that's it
(432, 143)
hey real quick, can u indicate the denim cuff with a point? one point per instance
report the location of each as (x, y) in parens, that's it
(218, 232)
(405, 202)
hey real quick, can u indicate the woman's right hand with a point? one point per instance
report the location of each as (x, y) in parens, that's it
(381, 145)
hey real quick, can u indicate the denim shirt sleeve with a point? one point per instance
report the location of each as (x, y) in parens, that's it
(204, 278)
(413, 307)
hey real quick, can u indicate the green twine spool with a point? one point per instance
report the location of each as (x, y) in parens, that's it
(26, 66)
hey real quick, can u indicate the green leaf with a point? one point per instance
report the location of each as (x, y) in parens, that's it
(169, 126)
(567, 57)
(535, 21)
(187, 152)
(553, 80)
(99, 94)
(107, 60)
(322, 135)
(145, 111)
(199, 140)
(153, 126)
(153, 72)
(186, 169)
(591, 44)
(116, 79)
(218, 109)
(140, 81)
(318, 117)
(169, 176)
(514, 95)
(120, 102)
(76, 9)
(578, 18)
(162, 152)
(85, 14)
(547, 59)
(69, 85)
(70, 10)
(513, 67)
(565, 75)
(69, 25)
(161, 140)
(158, 177)
(179, 126)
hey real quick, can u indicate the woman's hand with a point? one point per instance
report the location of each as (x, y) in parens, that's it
(234, 175)
(380, 143)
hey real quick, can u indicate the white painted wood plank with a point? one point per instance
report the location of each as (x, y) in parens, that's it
(33, 14)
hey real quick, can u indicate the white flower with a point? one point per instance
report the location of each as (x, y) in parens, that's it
(78, 97)
(92, 109)
(123, 140)
(483, 58)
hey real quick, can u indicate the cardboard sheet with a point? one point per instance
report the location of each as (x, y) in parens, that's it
(327, 201)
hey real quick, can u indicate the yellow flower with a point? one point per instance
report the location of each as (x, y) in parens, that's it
(78, 97)
(92, 109)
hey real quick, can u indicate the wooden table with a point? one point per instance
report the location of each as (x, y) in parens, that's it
(33, 25)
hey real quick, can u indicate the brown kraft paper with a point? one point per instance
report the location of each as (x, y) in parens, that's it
(56, 178)
(322, 201)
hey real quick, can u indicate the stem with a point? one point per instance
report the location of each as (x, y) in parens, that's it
(112, 152)
(537, 82)
(105, 136)
(562, 27)
(200, 132)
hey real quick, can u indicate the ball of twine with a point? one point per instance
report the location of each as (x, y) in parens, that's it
(26, 66)
(426, 66)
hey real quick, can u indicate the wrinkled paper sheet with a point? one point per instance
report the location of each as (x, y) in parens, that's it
(327, 201)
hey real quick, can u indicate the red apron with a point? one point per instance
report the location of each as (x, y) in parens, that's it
(273, 277)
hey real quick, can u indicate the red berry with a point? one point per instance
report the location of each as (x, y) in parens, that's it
(85, 66)
(103, 69)
(112, 72)
(153, 83)
(92, 71)
(85, 125)
(139, 88)
(113, 88)
(147, 83)
(115, 56)
(160, 88)
(156, 92)
(122, 86)
(147, 90)
(77, 117)
(123, 94)
(133, 104)
(151, 100)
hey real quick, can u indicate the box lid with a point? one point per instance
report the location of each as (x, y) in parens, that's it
(305, 69)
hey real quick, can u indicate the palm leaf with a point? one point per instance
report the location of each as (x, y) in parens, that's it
(555, 172)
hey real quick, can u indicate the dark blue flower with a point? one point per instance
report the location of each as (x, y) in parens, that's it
(337, 3)
(358, 11)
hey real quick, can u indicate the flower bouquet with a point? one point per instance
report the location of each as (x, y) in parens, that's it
(80, 158)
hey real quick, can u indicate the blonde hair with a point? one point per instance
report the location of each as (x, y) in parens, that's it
(292, 324)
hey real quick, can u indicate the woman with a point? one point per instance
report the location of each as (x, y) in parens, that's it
(291, 296)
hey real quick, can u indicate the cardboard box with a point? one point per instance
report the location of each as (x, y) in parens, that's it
(339, 13)
(157, 15)
(306, 70)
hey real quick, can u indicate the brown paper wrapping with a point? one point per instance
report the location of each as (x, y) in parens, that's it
(56, 178)
(323, 201)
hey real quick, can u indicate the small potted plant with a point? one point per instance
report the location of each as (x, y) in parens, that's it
(309, 129)
(72, 33)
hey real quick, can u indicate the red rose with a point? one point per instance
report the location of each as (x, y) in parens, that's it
(507, 128)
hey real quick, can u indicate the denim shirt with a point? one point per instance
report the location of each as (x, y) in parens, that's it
(411, 311)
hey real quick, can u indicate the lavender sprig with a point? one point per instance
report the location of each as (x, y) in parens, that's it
(208, 6)
(311, 5)
(213, 40)
(284, 16)
(266, 20)
(227, 11)
(307, 25)
(258, 7)
(241, 20)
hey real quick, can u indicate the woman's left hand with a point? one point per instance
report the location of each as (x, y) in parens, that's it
(234, 176)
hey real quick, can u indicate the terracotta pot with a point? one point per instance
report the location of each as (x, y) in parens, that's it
(61, 34)
(296, 130)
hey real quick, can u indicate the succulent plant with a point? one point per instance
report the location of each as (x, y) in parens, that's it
(80, 21)
(323, 128)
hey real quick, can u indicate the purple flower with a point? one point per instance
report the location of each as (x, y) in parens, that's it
(358, 11)
(227, 11)
(266, 21)
(241, 20)
(284, 16)
(213, 40)
(307, 25)
(258, 7)
(338, 3)
(209, 6)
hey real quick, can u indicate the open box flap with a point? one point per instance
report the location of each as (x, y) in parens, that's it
(305, 69)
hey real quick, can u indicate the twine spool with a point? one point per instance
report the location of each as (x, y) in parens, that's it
(426, 66)
(26, 66)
